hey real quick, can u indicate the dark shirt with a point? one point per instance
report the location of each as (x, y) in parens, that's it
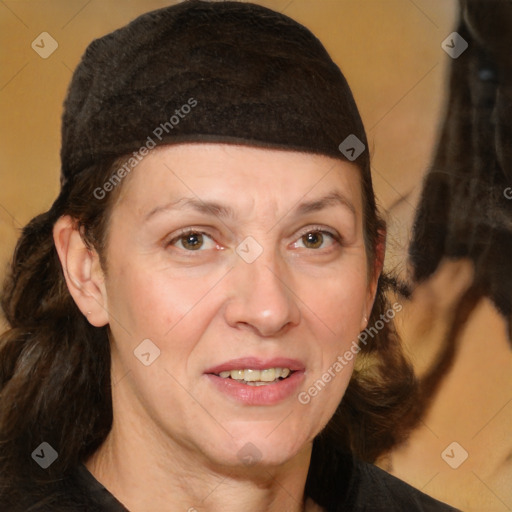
(354, 486)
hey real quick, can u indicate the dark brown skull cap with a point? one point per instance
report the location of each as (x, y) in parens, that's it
(212, 72)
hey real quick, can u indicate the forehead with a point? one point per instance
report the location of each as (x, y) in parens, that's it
(240, 175)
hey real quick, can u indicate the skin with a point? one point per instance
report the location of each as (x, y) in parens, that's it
(175, 438)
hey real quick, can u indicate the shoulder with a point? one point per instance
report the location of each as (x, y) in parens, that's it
(376, 490)
(339, 482)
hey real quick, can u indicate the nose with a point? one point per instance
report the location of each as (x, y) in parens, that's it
(262, 298)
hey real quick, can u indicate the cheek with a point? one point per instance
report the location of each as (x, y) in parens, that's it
(138, 301)
(334, 309)
(148, 302)
(338, 301)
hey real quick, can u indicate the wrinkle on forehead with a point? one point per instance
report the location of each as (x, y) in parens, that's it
(240, 181)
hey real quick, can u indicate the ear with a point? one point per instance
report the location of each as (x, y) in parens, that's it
(82, 271)
(378, 264)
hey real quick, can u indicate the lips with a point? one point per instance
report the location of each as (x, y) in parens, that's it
(230, 379)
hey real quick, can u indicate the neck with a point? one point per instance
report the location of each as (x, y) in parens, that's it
(145, 477)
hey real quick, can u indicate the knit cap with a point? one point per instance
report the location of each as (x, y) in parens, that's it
(203, 71)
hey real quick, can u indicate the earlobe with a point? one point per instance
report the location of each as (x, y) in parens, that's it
(364, 323)
(82, 271)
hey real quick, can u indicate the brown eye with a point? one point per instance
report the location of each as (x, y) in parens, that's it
(313, 240)
(317, 239)
(192, 241)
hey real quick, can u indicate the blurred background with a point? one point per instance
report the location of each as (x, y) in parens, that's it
(390, 51)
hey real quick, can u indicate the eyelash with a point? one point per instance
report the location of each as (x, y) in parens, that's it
(185, 232)
(313, 229)
(322, 230)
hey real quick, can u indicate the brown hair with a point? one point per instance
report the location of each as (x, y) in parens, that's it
(465, 210)
(55, 366)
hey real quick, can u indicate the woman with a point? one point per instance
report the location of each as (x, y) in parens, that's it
(187, 317)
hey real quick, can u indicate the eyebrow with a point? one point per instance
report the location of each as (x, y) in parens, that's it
(192, 203)
(334, 198)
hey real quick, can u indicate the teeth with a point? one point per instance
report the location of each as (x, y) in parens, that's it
(269, 375)
(250, 375)
(257, 377)
(237, 374)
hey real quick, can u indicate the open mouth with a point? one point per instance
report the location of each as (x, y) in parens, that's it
(255, 382)
(257, 377)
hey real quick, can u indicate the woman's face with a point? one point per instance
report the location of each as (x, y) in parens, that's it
(231, 259)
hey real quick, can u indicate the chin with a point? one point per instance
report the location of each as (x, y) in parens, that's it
(257, 446)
